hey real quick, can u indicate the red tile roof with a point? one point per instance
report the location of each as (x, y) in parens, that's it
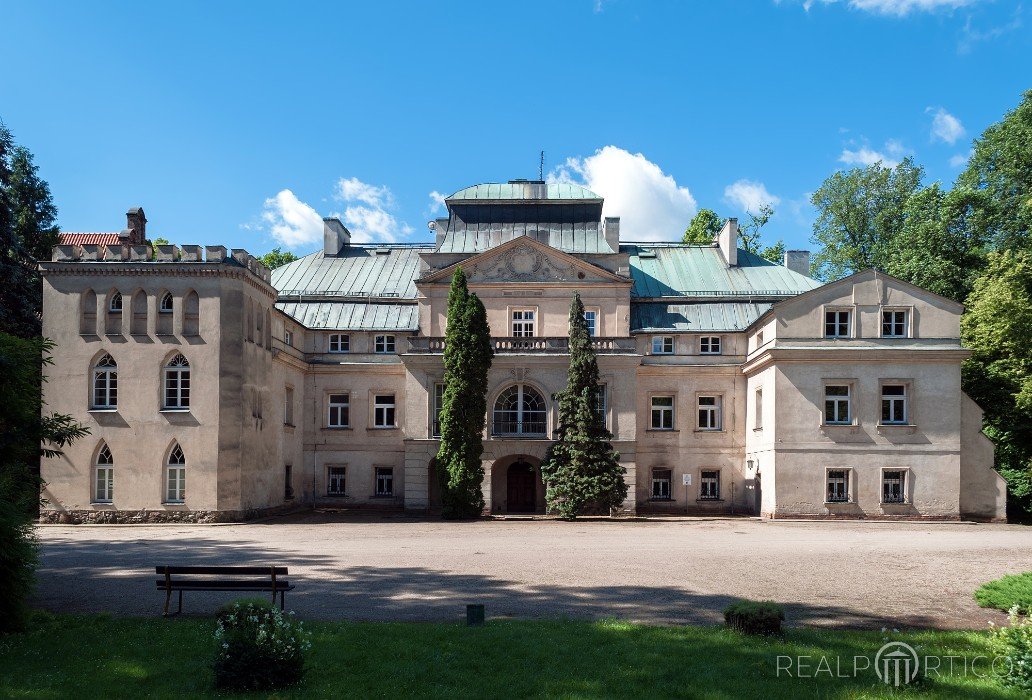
(88, 239)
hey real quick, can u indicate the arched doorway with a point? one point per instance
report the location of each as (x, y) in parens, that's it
(521, 488)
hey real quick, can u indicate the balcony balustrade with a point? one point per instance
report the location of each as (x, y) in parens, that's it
(429, 346)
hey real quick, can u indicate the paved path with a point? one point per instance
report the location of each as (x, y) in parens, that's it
(660, 571)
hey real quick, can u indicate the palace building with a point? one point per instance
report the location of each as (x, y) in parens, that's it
(215, 389)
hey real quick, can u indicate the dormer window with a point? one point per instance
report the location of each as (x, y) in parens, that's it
(837, 323)
(894, 323)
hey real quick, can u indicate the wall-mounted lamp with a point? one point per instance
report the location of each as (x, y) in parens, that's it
(750, 464)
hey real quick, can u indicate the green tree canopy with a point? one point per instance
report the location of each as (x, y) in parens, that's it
(703, 228)
(277, 258)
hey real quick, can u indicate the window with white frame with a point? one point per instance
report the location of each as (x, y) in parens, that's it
(519, 410)
(709, 345)
(524, 323)
(383, 344)
(383, 411)
(758, 409)
(339, 342)
(709, 413)
(661, 484)
(662, 412)
(288, 338)
(600, 402)
(663, 345)
(177, 384)
(115, 303)
(175, 476)
(894, 404)
(288, 405)
(384, 481)
(436, 408)
(836, 323)
(894, 486)
(838, 486)
(104, 477)
(336, 480)
(837, 404)
(338, 414)
(166, 304)
(709, 485)
(894, 323)
(591, 318)
(105, 383)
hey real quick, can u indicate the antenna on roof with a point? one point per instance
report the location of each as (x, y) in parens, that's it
(541, 167)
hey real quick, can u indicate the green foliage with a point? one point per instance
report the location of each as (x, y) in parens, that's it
(258, 647)
(753, 617)
(1013, 644)
(467, 359)
(35, 215)
(19, 555)
(277, 258)
(749, 232)
(582, 472)
(998, 375)
(1004, 593)
(774, 253)
(703, 228)
(1001, 168)
(155, 243)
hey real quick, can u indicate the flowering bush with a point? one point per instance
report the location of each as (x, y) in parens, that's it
(259, 647)
(1014, 645)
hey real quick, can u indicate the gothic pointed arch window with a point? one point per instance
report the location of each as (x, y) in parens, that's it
(104, 476)
(113, 317)
(519, 410)
(177, 383)
(138, 319)
(166, 305)
(105, 384)
(175, 475)
(88, 313)
(191, 314)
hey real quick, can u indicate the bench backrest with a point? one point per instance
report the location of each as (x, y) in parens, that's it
(223, 570)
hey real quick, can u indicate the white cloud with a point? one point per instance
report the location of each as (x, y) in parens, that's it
(368, 212)
(945, 127)
(889, 156)
(971, 36)
(650, 203)
(436, 202)
(292, 222)
(960, 160)
(749, 196)
(896, 8)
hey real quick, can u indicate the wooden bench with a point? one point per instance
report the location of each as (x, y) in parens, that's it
(221, 578)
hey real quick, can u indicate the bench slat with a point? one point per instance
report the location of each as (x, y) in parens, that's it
(223, 570)
(241, 585)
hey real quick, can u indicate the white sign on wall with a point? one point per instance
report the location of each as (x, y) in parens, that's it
(686, 479)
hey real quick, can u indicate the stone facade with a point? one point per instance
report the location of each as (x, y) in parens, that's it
(731, 385)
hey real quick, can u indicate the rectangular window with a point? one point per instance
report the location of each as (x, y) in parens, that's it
(600, 402)
(288, 482)
(709, 413)
(894, 404)
(663, 345)
(894, 324)
(436, 408)
(339, 343)
(384, 481)
(175, 491)
(661, 484)
(591, 317)
(335, 480)
(288, 339)
(662, 412)
(758, 409)
(709, 485)
(524, 323)
(836, 324)
(709, 345)
(837, 405)
(894, 486)
(384, 344)
(838, 485)
(105, 484)
(288, 406)
(339, 413)
(383, 411)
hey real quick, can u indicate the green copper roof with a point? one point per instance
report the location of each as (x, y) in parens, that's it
(523, 190)
(381, 270)
(351, 316)
(705, 316)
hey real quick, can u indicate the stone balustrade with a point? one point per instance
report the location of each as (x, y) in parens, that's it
(424, 345)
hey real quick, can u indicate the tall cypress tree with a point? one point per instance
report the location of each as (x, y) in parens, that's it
(467, 359)
(582, 472)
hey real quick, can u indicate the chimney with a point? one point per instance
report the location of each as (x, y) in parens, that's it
(335, 237)
(727, 239)
(798, 261)
(611, 228)
(136, 225)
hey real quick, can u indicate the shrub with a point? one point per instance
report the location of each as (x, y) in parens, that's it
(1014, 644)
(259, 647)
(18, 556)
(1004, 593)
(752, 617)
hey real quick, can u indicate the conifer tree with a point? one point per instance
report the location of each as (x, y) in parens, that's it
(467, 359)
(582, 472)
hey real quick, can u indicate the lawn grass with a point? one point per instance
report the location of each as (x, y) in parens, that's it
(103, 656)
(1004, 593)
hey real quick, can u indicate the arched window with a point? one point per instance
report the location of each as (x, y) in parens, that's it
(105, 383)
(138, 322)
(165, 305)
(163, 322)
(177, 383)
(175, 476)
(104, 476)
(519, 410)
(88, 313)
(191, 314)
(115, 302)
(113, 325)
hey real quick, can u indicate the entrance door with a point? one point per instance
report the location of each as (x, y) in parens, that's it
(521, 492)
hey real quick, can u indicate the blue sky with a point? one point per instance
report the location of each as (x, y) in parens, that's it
(243, 123)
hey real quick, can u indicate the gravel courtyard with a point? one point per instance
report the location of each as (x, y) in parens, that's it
(855, 574)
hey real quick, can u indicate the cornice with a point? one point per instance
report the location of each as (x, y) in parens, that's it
(151, 269)
(839, 355)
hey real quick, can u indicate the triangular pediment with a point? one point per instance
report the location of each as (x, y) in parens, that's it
(525, 259)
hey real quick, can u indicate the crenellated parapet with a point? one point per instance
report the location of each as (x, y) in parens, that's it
(160, 255)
